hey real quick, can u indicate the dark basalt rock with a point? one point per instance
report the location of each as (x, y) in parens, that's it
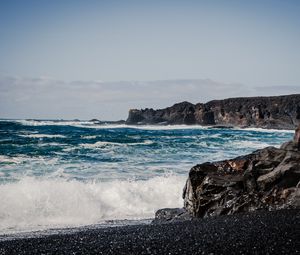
(297, 137)
(105, 122)
(266, 179)
(171, 215)
(182, 113)
(117, 122)
(280, 112)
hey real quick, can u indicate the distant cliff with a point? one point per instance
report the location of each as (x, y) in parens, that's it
(280, 112)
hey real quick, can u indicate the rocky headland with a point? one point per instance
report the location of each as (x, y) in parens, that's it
(267, 179)
(279, 112)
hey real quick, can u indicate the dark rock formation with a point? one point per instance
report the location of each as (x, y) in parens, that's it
(182, 113)
(266, 179)
(117, 122)
(282, 112)
(171, 215)
(297, 137)
(105, 122)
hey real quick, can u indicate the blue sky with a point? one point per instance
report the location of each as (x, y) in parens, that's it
(251, 46)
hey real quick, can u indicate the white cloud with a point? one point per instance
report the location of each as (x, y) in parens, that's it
(49, 98)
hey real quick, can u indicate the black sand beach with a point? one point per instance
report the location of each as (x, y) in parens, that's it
(261, 232)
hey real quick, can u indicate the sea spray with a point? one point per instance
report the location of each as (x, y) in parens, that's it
(38, 203)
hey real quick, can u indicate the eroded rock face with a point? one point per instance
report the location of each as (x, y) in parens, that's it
(267, 179)
(282, 112)
(297, 137)
(182, 113)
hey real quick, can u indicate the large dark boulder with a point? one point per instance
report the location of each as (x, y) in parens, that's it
(280, 112)
(266, 179)
(171, 215)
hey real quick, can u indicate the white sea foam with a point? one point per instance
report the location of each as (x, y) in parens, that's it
(166, 127)
(267, 130)
(215, 135)
(52, 122)
(6, 159)
(249, 144)
(42, 136)
(104, 144)
(89, 137)
(99, 144)
(89, 124)
(33, 204)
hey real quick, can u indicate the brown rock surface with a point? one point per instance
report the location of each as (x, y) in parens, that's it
(267, 179)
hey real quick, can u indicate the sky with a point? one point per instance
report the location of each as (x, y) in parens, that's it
(97, 59)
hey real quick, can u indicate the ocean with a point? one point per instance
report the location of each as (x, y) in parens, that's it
(62, 174)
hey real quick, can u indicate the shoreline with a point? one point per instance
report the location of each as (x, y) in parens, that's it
(253, 232)
(274, 112)
(146, 126)
(65, 230)
(259, 232)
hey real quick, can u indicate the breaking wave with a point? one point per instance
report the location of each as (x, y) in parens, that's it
(104, 144)
(56, 174)
(33, 203)
(42, 136)
(91, 124)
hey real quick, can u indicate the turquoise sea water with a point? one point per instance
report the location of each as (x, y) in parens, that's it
(71, 173)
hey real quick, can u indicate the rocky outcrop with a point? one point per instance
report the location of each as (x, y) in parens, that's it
(282, 112)
(182, 113)
(266, 179)
(100, 122)
(171, 215)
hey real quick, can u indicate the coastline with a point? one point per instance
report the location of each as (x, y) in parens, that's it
(259, 232)
(280, 112)
(145, 126)
(223, 234)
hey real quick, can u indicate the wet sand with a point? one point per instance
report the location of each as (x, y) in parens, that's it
(252, 233)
